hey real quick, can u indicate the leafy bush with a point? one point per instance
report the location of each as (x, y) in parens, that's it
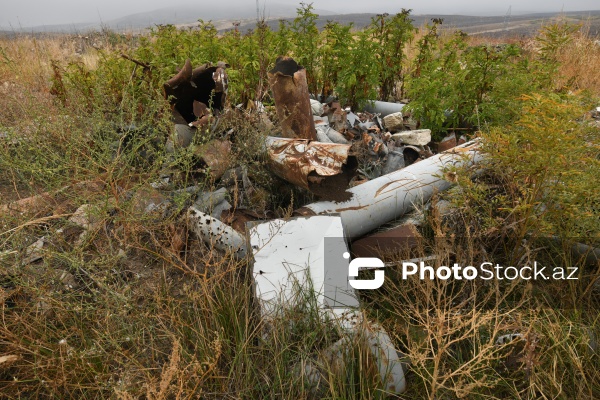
(455, 85)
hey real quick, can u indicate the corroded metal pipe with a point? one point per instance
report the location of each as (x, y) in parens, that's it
(217, 234)
(292, 100)
(390, 196)
(383, 107)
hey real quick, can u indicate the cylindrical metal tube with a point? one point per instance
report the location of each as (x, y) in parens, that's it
(292, 100)
(383, 107)
(215, 233)
(381, 200)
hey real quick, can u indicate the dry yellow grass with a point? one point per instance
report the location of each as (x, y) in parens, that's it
(579, 64)
(26, 71)
(27, 59)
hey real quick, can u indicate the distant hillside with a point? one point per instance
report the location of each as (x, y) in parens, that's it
(191, 14)
(178, 15)
(518, 25)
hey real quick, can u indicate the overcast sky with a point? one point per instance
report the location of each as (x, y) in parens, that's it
(25, 13)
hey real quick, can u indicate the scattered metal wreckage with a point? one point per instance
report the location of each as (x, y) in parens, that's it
(291, 253)
(285, 253)
(317, 152)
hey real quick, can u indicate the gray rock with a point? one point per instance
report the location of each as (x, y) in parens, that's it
(394, 122)
(317, 107)
(213, 203)
(411, 123)
(418, 137)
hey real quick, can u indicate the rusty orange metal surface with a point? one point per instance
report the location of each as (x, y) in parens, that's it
(308, 163)
(216, 156)
(292, 100)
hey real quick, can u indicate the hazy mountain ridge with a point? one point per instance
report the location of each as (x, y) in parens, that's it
(189, 15)
(493, 25)
(176, 15)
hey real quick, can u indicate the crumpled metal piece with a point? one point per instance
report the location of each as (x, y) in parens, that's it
(216, 234)
(215, 155)
(316, 166)
(206, 84)
(374, 144)
(337, 117)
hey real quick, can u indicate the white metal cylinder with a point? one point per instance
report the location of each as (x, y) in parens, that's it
(390, 196)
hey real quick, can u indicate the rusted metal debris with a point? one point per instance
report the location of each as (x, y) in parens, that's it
(323, 168)
(400, 239)
(374, 144)
(217, 234)
(239, 217)
(337, 116)
(192, 92)
(215, 154)
(292, 99)
(447, 143)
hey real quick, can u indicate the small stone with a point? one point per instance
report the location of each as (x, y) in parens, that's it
(82, 216)
(418, 137)
(8, 358)
(67, 279)
(411, 123)
(394, 122)
(317, 107)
